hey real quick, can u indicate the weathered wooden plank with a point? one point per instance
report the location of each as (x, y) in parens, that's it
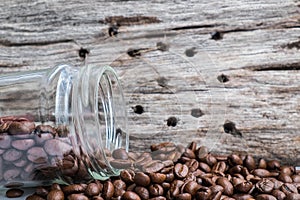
(258, 54)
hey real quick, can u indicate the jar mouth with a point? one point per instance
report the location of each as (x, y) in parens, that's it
(101, 118)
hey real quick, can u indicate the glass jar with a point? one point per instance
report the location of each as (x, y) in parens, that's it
(60, 124)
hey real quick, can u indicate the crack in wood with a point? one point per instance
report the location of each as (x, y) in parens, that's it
(132, 20)
(292, 45)
(8, 43)
(275, 67)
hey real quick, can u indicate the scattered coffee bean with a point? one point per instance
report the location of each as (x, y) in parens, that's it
(14, 193)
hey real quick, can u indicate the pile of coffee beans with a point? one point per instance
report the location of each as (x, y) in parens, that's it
(172, 171)
(31, 152)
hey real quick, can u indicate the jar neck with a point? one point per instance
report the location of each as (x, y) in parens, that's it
(99, 115)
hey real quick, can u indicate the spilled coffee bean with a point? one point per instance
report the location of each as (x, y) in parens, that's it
(195, 174)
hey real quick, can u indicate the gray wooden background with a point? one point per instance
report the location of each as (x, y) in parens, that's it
(223, 73)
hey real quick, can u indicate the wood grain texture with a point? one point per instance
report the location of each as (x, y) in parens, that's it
(169, 64)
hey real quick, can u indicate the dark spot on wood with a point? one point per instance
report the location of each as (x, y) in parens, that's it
(275, 67)
(137, 52)
(119, 131)
(83, 53)
(229, 127)
(292, 45)
(138, 109)
(134, 52)
(190, 52)
(223, 78)
(172, 121)
(162, 81)
(131, 20)
(197, 112)
(216, 35)
(162, 46)
(113, 30)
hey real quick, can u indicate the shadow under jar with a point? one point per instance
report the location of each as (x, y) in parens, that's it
(60, 124)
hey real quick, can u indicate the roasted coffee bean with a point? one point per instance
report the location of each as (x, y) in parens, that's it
(41, 191)
(77, 197)
(286, 178)
(263, 173)
(34, 197)
(12, 155)
(191, 187)
(166, 185)
(23, 144)
(120, 187)
(121, 164)
(74, 188)
(156, 147)
(289, 188)
(189, 154)
(56, 147)
(292, 196)
(278, 194)
(265, 197)
(234, 159)
(37, 155)
(287, 170)
(244, 187)
(108, 190)
(249, 162)
(207, 181)
(144, 159)
(204, 167)
(262, 164)
(92, 189)
(120, 154)
(129, 195)
(192, 146)
(219, 168)
(131, 187)
(55, 186)
(14, 193)
(183, 196)
(265, 185)
(296, 178)
(141, 179)
(11, 174)
(157, 177)
(210, 160)
(204, 193)
(201, 152)
(21, 128)
(156, 190)
(127, 176)
(216, 188)
(235, 169)
(175, 187)
(170, 177)
(226, 184)
(55, 195)
(273, 165)
(153, 166)
(181, 170)
(158, 198)
(142, 192)
(243, 197)
(97, 198)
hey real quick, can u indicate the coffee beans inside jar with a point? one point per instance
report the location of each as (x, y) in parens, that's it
(185, 174)
(37, 154)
